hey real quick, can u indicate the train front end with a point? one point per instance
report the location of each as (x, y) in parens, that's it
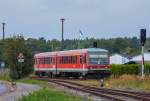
(98, 61)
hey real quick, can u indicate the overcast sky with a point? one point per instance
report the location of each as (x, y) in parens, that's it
(96, 18)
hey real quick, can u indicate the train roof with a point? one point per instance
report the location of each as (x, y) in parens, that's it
(76, 51)
(46, 54)
(86, 50)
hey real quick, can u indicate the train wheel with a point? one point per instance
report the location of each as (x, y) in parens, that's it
(50, 75)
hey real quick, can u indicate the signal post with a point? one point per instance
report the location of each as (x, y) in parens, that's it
(143, 41)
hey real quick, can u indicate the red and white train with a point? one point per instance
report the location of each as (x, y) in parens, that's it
(72, 62)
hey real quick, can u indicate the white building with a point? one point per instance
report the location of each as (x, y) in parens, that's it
(138, 58)
(118, 59)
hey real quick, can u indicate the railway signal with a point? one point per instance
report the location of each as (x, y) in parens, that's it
(143, 41)
(20, 58)
(95, 44)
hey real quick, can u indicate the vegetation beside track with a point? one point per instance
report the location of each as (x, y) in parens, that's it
(50, 94)
(4, 75)
(129, 69)
(47, 93)
(131, 82)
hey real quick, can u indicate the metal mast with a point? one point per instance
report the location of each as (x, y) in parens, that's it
(3, 30)
(62, 41)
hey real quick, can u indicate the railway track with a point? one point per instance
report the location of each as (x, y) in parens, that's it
(114, 95)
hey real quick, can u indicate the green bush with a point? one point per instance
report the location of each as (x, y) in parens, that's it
(132, 69)
(147, 69)
(15, 46)
(118, 70)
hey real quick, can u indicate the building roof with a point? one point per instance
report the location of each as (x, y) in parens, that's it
(139, 57)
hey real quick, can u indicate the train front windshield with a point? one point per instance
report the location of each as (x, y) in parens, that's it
(98, 58)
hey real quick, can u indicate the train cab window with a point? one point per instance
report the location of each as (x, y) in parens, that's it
(80, 59)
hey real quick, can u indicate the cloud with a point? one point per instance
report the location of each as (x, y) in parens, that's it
(36, 18)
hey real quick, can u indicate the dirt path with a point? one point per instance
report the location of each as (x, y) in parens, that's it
(21, 89)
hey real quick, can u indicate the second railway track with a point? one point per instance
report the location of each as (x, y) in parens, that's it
(113, 95)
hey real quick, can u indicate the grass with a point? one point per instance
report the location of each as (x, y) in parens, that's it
(122, 82)
(130, 82)
(4, 75)
(50, 94)
(31, 81)
(47, 92)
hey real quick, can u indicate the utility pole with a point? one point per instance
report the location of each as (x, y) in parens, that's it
(3, 30)
(62, 41)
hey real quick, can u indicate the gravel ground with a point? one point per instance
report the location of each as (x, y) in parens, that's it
(16, 92)
(3, 89)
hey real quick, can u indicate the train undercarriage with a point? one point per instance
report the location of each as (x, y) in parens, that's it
(63, 74)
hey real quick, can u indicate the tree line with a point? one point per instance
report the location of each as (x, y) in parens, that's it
(11, 47)
(130, 46)
(120, 45)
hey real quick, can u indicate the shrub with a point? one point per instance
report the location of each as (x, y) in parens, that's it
(132, 69)
(118, 70)
(15, 46)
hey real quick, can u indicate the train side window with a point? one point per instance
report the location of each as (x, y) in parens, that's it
(74, 60)
(60, 60)
(63, 60)
(40, 60)
(80, 59)
(49, 60)
(85, 58)
(53, 60)
(69, 59)
(44, 61)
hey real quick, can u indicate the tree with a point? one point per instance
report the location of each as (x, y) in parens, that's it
(14, 46)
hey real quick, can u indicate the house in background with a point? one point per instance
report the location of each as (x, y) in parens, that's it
(138, 58)
(118, 59)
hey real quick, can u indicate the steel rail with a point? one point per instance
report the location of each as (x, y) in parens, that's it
(99, 94)
(129, 94)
